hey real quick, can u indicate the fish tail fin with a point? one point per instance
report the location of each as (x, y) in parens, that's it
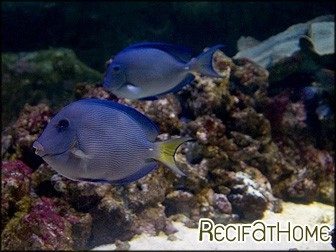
(165, 152)
(203, 63)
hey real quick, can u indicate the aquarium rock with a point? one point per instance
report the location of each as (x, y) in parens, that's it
(283, 44)
(42, 76)
(250, 151)
(15, 184)
(46, 224)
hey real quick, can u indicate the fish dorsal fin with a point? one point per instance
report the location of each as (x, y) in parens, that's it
(179, 52)
(149, 127)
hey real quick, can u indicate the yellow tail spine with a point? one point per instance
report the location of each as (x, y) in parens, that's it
(166, 151)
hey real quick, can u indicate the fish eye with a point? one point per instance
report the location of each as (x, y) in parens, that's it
(63, 124)
(116, 68)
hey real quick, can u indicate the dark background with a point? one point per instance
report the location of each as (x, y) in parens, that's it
(98, 30)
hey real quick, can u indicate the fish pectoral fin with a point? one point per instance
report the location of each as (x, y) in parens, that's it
(80, 154)
(83, 158)
(133, 89)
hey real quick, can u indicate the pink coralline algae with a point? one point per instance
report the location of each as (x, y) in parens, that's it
(15, 184)
(25, 131)
(45, 227)
(30, 222)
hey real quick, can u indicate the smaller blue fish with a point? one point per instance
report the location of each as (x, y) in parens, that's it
(147, 70)
(323, 111)
(103, 141)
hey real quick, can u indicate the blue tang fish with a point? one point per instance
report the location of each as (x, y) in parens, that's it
(104, 141)
(147, 70)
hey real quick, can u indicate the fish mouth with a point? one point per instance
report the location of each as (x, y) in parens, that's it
(108, 84)
(39, 150)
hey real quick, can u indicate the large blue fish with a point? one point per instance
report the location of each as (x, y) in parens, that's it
(147, 70)
(99, 140)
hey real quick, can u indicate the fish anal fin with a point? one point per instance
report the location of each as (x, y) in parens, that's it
(143, 171)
